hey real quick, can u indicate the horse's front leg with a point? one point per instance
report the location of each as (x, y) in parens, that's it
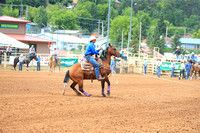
(27, 66)
(103, 85)
(108, 89)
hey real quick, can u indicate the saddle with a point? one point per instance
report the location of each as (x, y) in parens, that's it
(86, 66)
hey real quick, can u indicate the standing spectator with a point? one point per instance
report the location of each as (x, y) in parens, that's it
(32, 51)
(181, 57)
(177, 52)
(188, 68)
(38, 63)
(182, 70)
(158, 64)
(123, 56)
(112, 65)
(188, 57)
(173, 68)
(8, 50)
(145, 66)
(21, 60)
(1, 53)
(199, 59)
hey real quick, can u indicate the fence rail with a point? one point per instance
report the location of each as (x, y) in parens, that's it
(131, 65)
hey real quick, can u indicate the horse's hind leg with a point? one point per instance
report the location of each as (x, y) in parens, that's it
(73, 87)
(81, 89)
(108, 89)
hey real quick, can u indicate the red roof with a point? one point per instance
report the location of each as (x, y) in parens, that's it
(12, 19)
(27, 38)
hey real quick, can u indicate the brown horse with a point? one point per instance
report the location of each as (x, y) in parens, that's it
(77, 75)
(195, 69)
(53, 63)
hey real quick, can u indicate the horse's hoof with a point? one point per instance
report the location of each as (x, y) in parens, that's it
(79, 94)
(108, 93)
(90, 95)
(103, 95)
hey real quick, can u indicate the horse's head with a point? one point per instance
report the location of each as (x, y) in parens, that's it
(113, 51)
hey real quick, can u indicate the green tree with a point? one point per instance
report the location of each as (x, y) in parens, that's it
(175, 41)
(9, 11)
(64, 18)
(196, 34)
(41, 17)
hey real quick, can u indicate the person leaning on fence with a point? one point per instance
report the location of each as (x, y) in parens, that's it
(8, 51)
(145, 66)
(182, 70)
(54, 52)
(38, 62)
(172, 68)
(21, 60)
(177, 52)
(112, 65)
(158, 64)
(188, 68)
(123, 56)
(32, 51)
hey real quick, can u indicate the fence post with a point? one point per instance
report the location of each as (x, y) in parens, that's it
(5, 60)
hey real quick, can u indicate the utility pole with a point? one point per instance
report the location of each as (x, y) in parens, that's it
(102, 29)
(140, 37)
(98, 27)
(129, 37)
(21, 10)
(108, 24)
(26, 11)
(122, 40)
(166, 31)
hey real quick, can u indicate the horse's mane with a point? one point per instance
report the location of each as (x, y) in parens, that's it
(103, 53)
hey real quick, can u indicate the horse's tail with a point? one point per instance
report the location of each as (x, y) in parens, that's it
(66, 80)
(67, 77)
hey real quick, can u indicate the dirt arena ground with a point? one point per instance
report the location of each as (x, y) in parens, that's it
(33, 102)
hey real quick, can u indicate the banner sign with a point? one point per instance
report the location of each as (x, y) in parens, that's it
(10, 26)
(68, 62)
(166, 66)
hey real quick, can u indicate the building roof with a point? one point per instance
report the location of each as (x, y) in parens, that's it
(67, 31)
(189, 41)
(64, 38)
(28, 38)
(12, 19)
(12, 42)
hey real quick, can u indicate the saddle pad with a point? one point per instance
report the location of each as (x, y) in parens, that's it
(86, 66)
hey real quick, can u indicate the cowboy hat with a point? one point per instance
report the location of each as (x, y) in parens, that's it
(21, 55)
(177, 47)
(192, 52)
(93, 38)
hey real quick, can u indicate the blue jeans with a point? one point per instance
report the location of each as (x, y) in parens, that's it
(158, 72)
(172, 73)
(145, 69)
(91, 59)
(188, 73)
(20, 66)
(38, 66)
(33, 54)
(112, 69)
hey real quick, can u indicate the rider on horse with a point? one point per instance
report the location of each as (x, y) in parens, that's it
(90, 50)
(54, 52)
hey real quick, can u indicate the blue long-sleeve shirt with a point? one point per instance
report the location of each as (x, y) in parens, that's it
(38, 59)
(145, 63)
(90, 49)
(192, 57)
(188, 66)
(112, 64)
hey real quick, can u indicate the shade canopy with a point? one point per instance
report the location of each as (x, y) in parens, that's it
(9, 41)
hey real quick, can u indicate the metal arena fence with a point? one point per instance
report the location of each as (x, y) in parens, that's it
(133, 64)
